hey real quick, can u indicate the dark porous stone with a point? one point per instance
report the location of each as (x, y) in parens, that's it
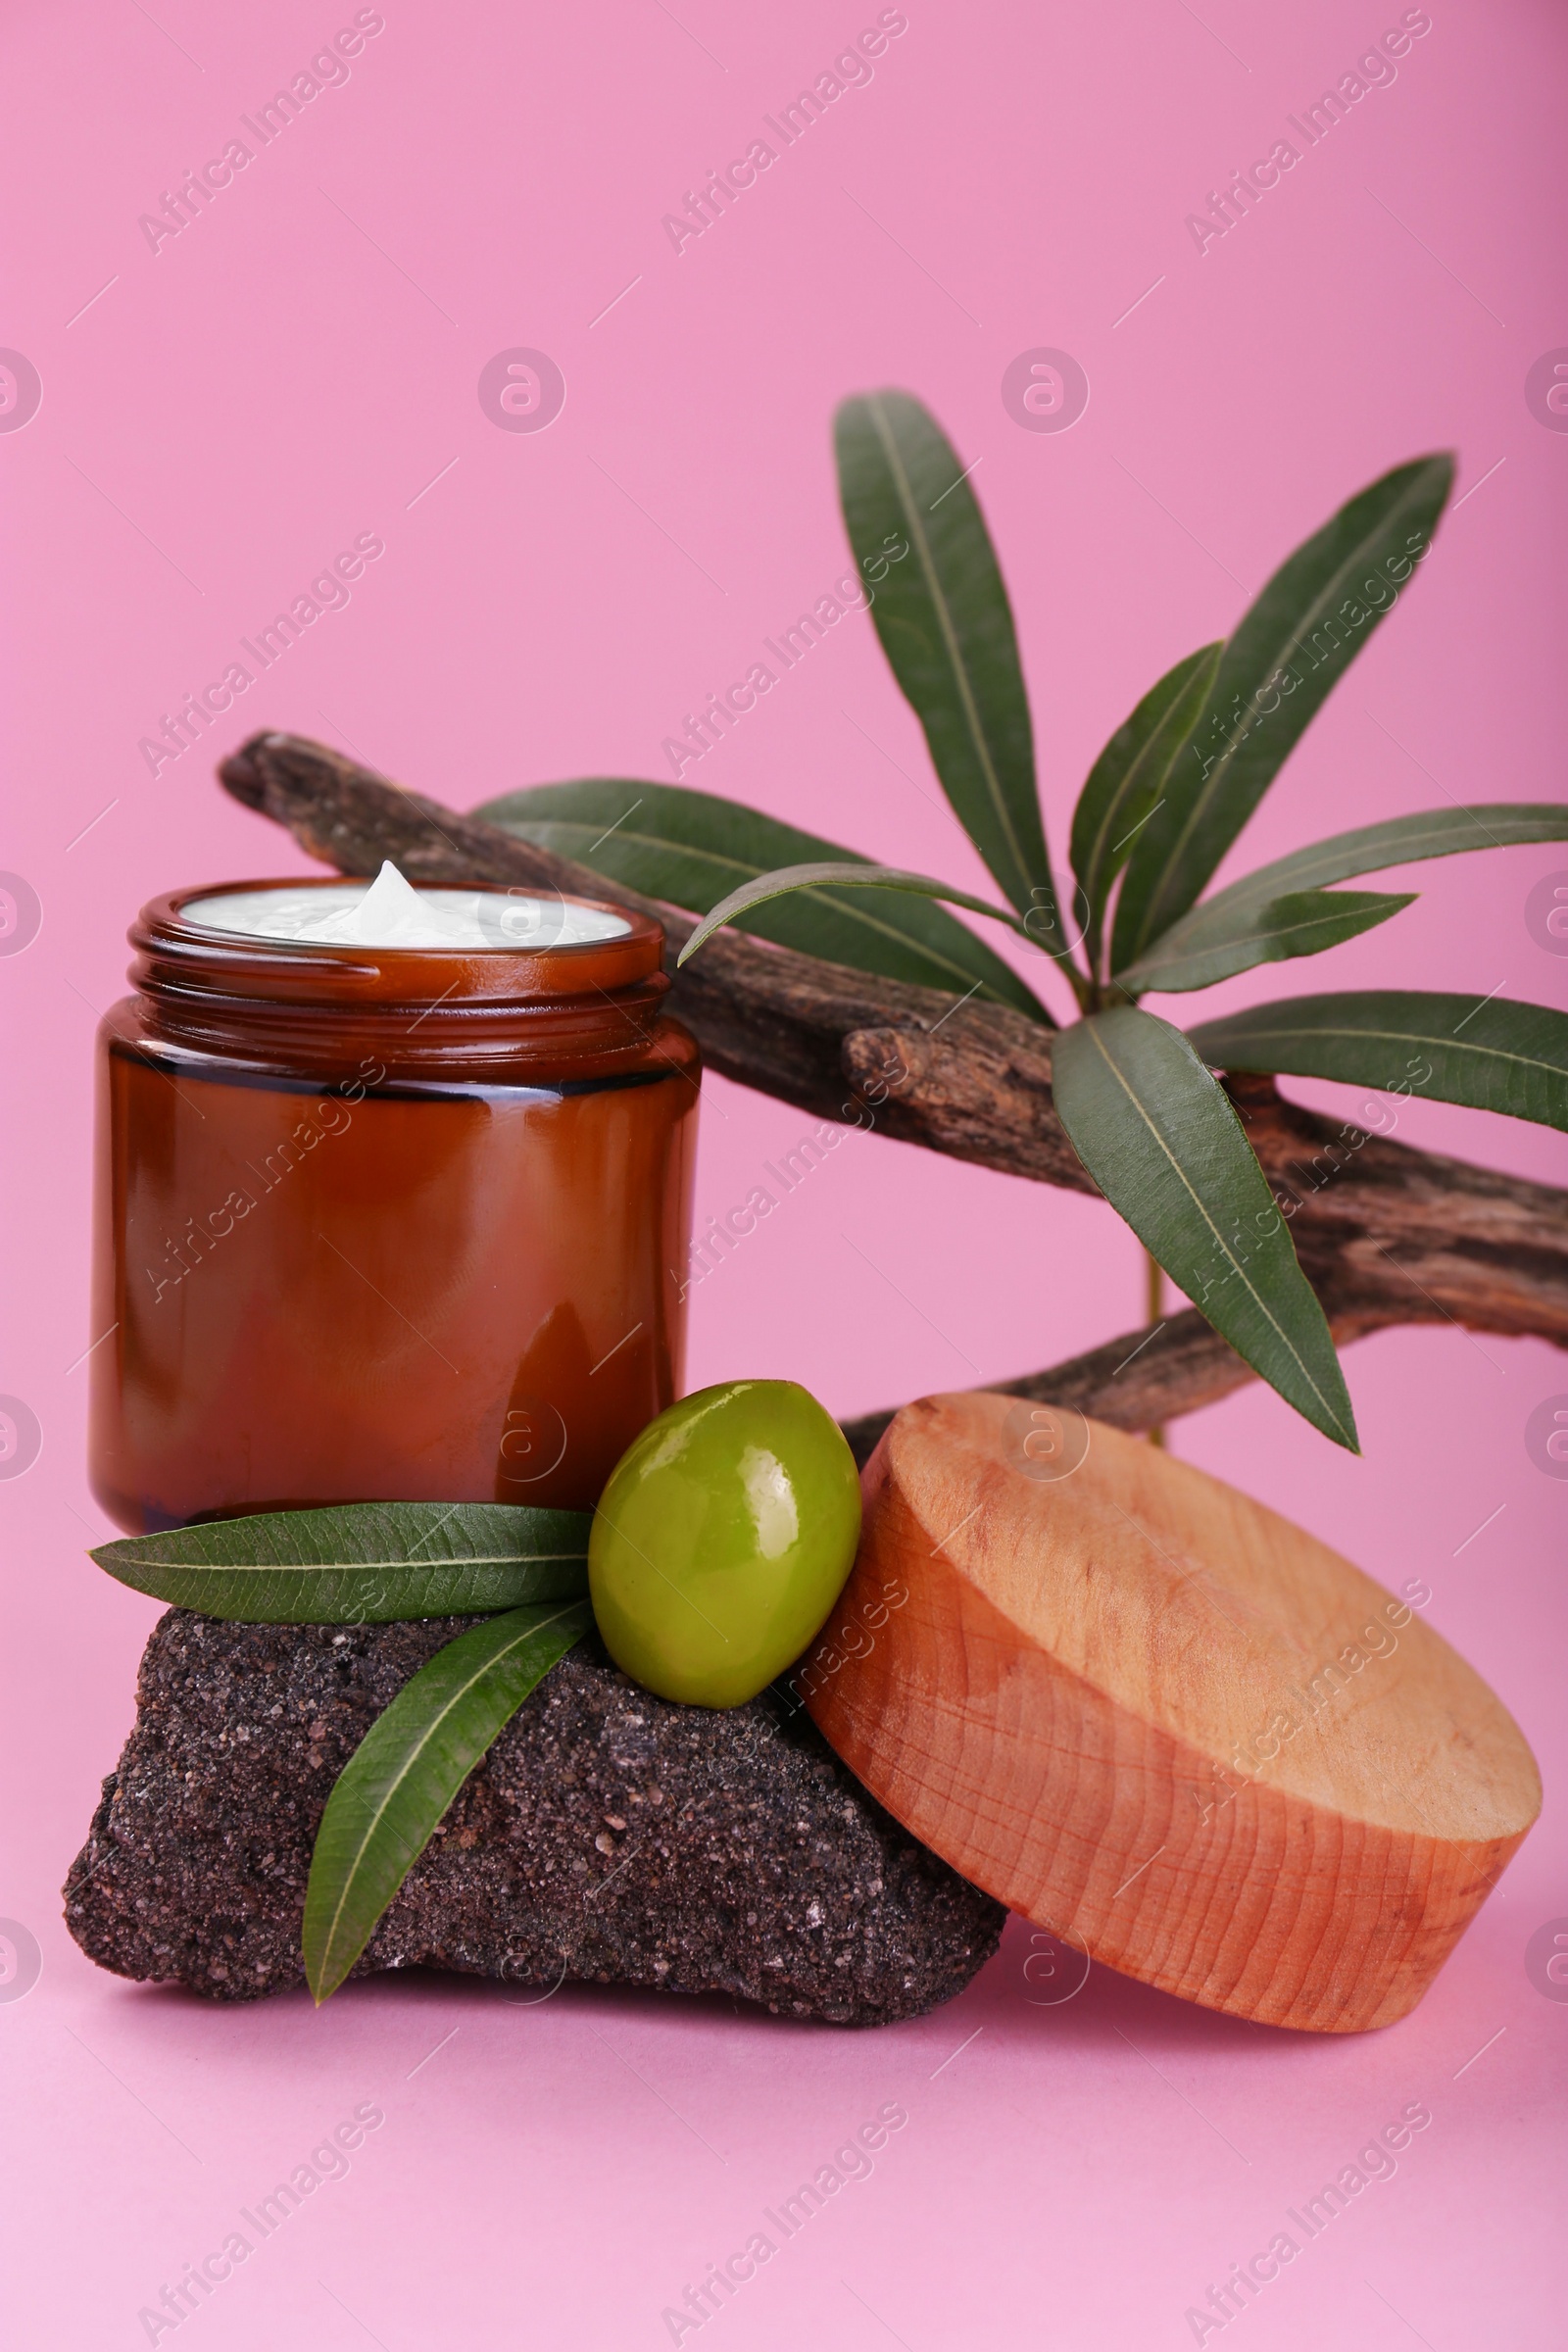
(606, 1836)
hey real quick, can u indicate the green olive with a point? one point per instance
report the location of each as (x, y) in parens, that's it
(722, 1540)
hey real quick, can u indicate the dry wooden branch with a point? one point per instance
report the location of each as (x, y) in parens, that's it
(1386, 1234)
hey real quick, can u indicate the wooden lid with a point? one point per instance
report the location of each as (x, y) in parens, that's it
(1150, 1713)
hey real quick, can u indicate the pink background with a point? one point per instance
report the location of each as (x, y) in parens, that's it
(300, 366)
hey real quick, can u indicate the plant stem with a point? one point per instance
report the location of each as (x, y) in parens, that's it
(1155, 1308)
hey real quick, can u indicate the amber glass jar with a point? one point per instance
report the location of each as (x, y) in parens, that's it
(383, 1223)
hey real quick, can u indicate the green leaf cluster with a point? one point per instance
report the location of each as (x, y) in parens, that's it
(1161, 807)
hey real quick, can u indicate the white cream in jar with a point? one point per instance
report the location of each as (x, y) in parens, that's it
(390, 912)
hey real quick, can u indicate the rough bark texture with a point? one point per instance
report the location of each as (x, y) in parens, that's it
(1386, 1234)
(606, 1836)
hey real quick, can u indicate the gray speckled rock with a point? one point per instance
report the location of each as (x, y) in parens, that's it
(607, 1835)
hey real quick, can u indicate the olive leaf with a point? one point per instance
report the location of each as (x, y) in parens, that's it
(1491, 1052)
(360, 1563)
(1289, 648)
(848, 877)
(1370, 848)
(1303, 922)
(1162, 1142)
(691, 848)
(945, 626)
(1127, 782)
(392, 1793)
(1217, 923)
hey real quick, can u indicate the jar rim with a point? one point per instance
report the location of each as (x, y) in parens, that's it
(175, 952)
